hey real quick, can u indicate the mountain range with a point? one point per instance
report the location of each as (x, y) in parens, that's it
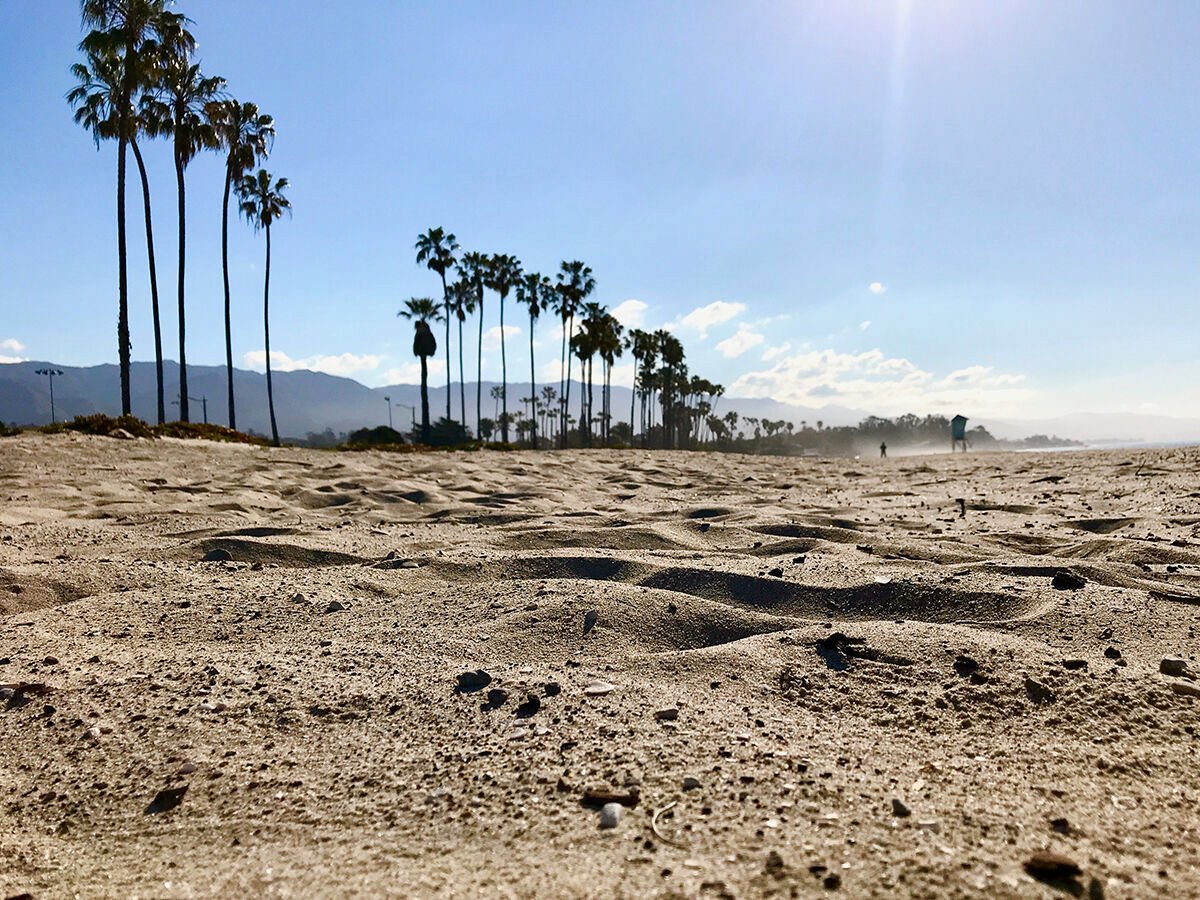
(312, 402)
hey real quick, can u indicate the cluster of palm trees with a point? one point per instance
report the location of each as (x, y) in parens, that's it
(138, 81)
(589, 331)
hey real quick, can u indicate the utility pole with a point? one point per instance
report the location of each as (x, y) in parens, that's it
(50, 373)
(411, 409)
(388, 400)
(203, 401)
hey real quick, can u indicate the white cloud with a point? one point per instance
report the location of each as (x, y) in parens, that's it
(622, 374)
(630, 313)
(738, 343)
(883, 385)
(777, 351)
(703, 318)
(410, 372)
(863, 326)
(877, 287)
(13, 346)
(491, 337)
(344, 364)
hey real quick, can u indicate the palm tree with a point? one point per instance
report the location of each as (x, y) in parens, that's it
(474, 268)
(533, 290)
(185, 91)
(575, 283)
(94, 98)
(422, 310)
(640, 345)
(504, 273)
(262, 203)
(246, 136)
(462, 297)
(673, 373)
(123, 33)
(610, 345)
(435, 248)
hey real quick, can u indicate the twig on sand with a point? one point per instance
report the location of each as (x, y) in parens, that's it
(1193, 599)
(654, 825)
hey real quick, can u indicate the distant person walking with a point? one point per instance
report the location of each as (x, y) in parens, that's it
(883, 449)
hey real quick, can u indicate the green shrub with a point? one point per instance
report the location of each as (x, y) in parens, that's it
(103, 426)
(205, 432)
(379, 436)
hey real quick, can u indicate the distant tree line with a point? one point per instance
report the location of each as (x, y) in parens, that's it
(666, 398)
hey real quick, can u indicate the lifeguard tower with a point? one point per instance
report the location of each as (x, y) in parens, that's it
(958, 433)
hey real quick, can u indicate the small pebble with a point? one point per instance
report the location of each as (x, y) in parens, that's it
(472, 681)
(1067, 581)
(599, 689)
(667, 714)
(1046, 864)
(1173, 666)
(610, 815)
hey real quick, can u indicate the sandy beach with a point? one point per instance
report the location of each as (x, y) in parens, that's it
(913, 677)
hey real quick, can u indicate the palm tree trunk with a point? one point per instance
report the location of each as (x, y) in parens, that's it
(424, 400)
(607, 402)
(446, 304)
(632, 402)
(267, 338)
(225, 276)
(567, 386)
(158, 357)
(462, 383)
(589, 399)
(533, 423)
(122, 285)
(479, 373)
(183, 386)
(503, 379)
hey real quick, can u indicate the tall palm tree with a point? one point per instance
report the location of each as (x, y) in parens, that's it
(121, 33)
(95, 97)
(422, 311)
(185, 91)
(262, 202)
(436, 249)
(574, 283)
(246, 136)
(533, 290)
(504, 273)
(474, 270)
(673, 374)
(462, 299)
(637, 343)
(610, 345)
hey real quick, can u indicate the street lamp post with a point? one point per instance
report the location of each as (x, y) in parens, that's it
(388, 401)
(50, 373)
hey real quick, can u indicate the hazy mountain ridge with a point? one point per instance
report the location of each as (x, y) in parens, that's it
(309, 401)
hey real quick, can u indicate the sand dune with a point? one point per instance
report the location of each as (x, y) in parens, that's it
(881, 677)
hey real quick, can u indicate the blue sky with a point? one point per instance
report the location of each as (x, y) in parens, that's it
(1019, 180)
